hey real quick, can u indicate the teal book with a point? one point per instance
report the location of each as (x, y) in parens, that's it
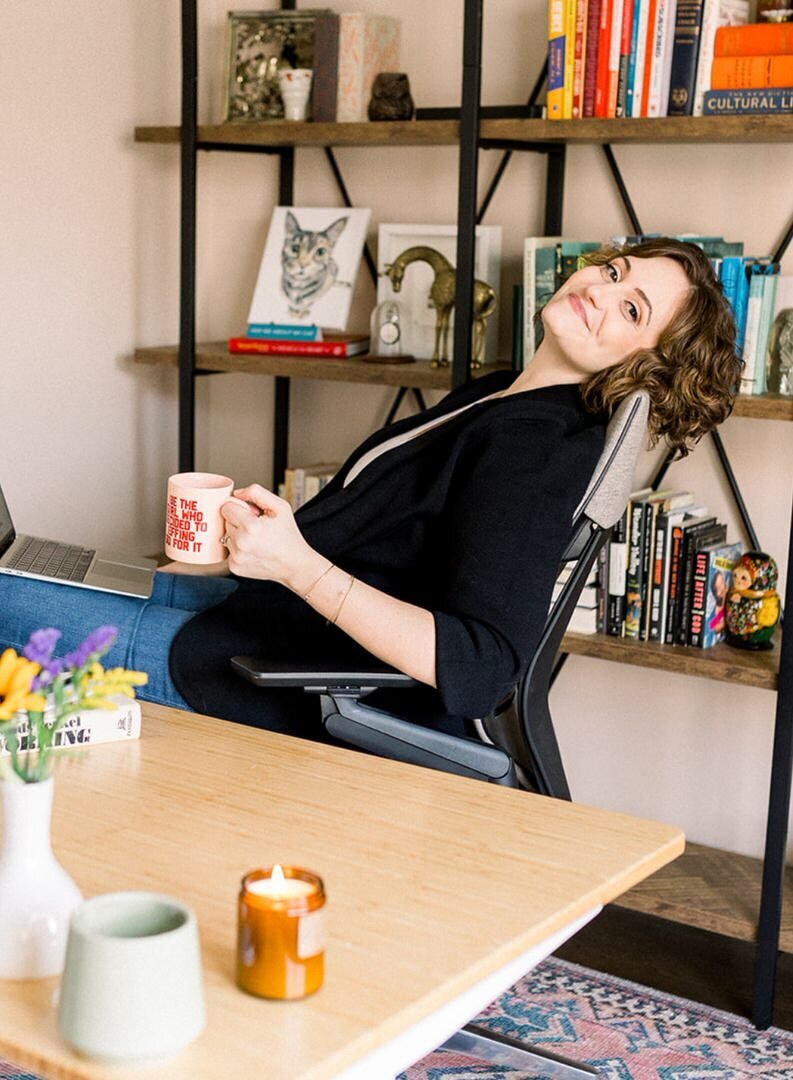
(767, 307)
(284, 332)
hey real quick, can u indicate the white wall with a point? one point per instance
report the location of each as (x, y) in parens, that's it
(89, 270)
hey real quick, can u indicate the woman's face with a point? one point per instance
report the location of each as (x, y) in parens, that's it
(603, 314)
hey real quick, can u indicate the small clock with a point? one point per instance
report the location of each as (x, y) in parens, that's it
(387, 329)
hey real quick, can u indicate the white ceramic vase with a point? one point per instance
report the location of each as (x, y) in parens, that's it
(37, 896)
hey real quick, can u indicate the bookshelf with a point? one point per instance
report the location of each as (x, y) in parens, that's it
(771, 671)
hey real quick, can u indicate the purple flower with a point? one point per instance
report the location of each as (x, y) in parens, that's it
(97, 642)
(40, 647)
(49, 672)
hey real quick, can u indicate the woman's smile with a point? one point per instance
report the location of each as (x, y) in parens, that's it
(579, 308)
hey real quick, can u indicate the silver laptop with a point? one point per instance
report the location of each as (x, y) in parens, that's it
(70, 564)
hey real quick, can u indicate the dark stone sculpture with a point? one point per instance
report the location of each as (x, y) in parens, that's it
(391, 98)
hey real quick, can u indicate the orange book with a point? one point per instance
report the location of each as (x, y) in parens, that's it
(751, 72)
(649, 58)
(756, 39)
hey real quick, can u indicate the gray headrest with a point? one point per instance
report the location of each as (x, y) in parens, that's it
(607, 495)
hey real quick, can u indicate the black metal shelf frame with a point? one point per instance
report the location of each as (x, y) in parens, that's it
(468, 216)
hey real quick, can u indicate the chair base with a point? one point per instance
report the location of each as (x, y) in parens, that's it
(502, 1050)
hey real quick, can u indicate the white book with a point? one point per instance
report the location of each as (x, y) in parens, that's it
(779, 355)
(715, 13)
(670, 17)
(86, 727)
(751, 333)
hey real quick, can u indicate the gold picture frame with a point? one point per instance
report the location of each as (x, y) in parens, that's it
(258, 45)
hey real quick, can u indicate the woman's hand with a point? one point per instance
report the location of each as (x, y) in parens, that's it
(268, 545)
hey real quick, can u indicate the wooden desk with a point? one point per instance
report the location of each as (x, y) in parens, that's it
(434, 883)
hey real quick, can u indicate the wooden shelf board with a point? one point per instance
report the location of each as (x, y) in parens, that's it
(215, 357)
(723, 663)
(712, 890)
(704, 129)
(765, 407)
(299, 133)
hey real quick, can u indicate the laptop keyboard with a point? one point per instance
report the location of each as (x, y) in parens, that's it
(51, 559)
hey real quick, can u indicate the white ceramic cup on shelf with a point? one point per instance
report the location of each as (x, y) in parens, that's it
(295, 86)
(132, 988)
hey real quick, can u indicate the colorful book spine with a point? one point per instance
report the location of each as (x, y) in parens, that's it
(698, 598)
(640, 50)
(649, 54)
(747, 102)
(685, 52)
(614, 57)
(721, 566)
(673, 589)
(556, 60)
(284, 332)
(756, 39)
(327, 349)
(741, 72)
(84, 728)
(604, 55)
(625, 55)
(591, 64)
(581, 20)
(660, 77)
(570, 15)
(633, 584)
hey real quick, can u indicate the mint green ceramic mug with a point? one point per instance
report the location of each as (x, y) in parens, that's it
(132, 987)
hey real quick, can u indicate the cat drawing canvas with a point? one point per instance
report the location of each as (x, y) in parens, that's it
(309, 266)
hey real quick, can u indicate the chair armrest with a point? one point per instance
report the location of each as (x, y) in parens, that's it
(318, 678)
(350, 721)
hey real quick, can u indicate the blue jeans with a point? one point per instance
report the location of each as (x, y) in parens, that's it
(146, 628)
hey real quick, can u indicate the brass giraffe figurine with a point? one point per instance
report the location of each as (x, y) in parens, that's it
(441, 296)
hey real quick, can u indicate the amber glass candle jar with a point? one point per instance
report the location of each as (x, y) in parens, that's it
(281, 933)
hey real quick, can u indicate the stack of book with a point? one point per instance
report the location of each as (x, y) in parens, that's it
(666, 571)
(633, 58)
(752, 70)
(283, 339)
(303, 482)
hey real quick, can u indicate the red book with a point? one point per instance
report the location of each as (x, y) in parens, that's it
(579, 57)
(592, 48)
(604, 49)
(332, 346)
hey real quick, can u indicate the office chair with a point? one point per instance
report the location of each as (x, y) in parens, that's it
(517, 744)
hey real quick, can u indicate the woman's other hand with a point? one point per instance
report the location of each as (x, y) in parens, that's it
(267, 545)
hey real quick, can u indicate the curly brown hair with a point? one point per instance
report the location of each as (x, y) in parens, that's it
(693, 373)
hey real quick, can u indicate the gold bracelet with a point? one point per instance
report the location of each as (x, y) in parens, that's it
(350, 584)
(327, 570)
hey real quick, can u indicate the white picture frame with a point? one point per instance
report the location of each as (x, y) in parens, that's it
(291, 287)
(413, 297)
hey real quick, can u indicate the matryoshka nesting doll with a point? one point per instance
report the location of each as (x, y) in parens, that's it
(752, 609)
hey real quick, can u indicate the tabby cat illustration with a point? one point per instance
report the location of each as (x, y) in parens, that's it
(308, 266)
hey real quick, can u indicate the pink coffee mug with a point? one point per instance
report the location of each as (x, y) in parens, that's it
(193, 521)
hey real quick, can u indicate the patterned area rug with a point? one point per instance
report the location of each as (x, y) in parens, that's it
(626, 1031)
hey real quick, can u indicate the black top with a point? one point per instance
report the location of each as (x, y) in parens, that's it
(468, 520)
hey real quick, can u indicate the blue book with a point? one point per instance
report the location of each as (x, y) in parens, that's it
(742, 300)
(631, 80)
(760, 102)
(767, 306)
(730, 272)
(284, 332)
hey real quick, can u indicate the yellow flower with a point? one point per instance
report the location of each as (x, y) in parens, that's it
(16, 676)
(97, 686)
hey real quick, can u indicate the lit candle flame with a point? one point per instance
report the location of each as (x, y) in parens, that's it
(277, 877)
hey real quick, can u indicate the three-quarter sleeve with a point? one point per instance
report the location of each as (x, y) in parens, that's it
(505, 525)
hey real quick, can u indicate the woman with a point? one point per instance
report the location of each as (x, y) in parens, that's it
(436, 546)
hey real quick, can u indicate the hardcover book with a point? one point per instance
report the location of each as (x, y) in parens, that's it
(325, 80)
(779, 354)
(694, 539)
(333, 345)
(685, 52)
(712, 582)
(742, 72)
(557, 45)
(594, 9)
(757, 39)
(539, 275)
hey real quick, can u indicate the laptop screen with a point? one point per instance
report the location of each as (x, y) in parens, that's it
(7, 533)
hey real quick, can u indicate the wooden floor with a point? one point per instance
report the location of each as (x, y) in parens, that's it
(648, 937)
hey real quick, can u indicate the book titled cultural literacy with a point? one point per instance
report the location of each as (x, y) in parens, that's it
(333, 346)
(768, 102)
